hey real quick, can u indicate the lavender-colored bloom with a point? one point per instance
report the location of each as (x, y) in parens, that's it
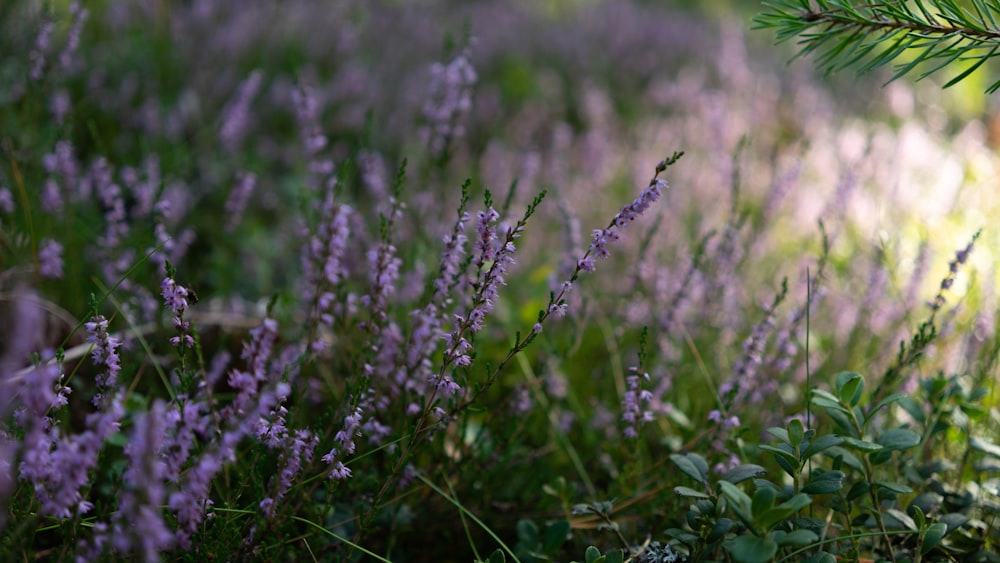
(104, 353)
(238, 199)
(57, 465)
(323, 262)
(384, 270)
(451, 257)
(313, 139)
(50, 262)
(635, 403)
(745, 385)
(60, 105)
(176, 297)
(52, 199)
(139, 526)
(235, 115)
(144, 191)
(37, 55)
(6, 200)
(80, 15)
(345, 445)
(190, 500)
(187, 419)
(298, 450)
(449, 99)
(246, 382)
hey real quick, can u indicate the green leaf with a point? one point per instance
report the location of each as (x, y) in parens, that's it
(862, 445)
(763, 500)
(738, 500)
(497, 557)
(783, 451)
(846, 457)
(779, 433)
(720, 529)
(693, 465)
(850, 385)
(932, 537)
(903, 518)
(795, 537)
(689, 492)
(821, 443)
(899, 439)
(913, 409)
(824, 483)
(751, 549)
(895, 397)
(743, 472)
(784, 510)
(858, 490)
(527, 532)
(614, 556)
(898, 488)
(555, 535)
(796, 432)
(985, 446)
(827, 401)
(592, 555)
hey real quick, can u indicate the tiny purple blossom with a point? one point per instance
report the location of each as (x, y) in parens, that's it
(6, 200)
(238, 199)
(37, 55)
(50, 262)
(235, 121)
(80, 15)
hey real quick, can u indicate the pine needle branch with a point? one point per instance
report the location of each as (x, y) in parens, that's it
(933, 33)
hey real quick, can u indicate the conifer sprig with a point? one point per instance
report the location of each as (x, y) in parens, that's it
(933, 33)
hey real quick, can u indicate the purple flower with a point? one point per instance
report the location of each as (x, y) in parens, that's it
(238, 199)
(104, 353)
(256, 352)
(449, 99)
(80, 15)
(235, 120)
(50, 263)
(313, 139)
(297, 450)
(139, 525)
(635, 403)
(176, 297)
(60, 105)
(6, 200)
(37, 55)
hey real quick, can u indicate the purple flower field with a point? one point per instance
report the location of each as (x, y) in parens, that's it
(485, 281)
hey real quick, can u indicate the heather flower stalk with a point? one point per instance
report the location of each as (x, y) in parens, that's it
(42, 45)
(175, 296)
(744, 386)
(50, 260)
(307, 112)
(635, 403)
(80, 15)
(599, 246)
(323, 265)
(58, 465)
(297, 451)
(415, 372)
(492, 262)
(139, 525)
(235, 118)
(449, 99)
(238, 198)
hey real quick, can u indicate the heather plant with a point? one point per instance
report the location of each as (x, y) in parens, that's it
(275, 287)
